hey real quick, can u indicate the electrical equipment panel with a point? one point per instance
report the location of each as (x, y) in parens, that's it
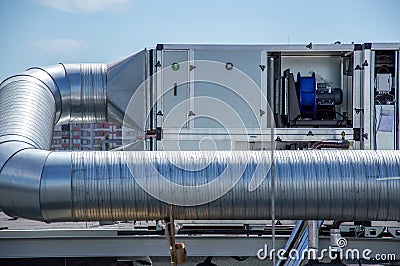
(383, 83)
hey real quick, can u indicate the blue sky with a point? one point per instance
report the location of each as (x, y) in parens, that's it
(45, 32)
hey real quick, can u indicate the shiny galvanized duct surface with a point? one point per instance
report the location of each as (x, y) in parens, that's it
(27, 109)
(88, 92)
(27, 115)
(30, 104)
(342, 185)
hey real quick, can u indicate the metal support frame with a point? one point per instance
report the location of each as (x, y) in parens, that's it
(358, 111)
(108, 243)
(313, 235)
(367, 70)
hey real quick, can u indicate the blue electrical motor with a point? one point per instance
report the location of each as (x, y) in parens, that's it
(307, 92)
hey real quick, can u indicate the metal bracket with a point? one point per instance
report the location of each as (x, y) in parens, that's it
(353, 229)
(262, 67)
(175, 89)
(154, 134)
(358, 110)
(373, 231)
(394, 231)
(158, 64)
(191, 67)
(364, 64)
(229, 66)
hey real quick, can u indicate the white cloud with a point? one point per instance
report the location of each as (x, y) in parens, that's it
(59, 46)
(86, 6)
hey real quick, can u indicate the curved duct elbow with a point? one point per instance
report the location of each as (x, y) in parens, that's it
(79, 90)
(30, 104)
(28, 109)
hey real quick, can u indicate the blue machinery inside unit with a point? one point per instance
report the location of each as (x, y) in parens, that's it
(317, 100)
(307, 95)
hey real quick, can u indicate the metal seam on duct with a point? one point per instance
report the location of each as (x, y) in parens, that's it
(18, 138)
(6, 156)
(93, 92)
(66, 101)
(55, 91)
(55, 189)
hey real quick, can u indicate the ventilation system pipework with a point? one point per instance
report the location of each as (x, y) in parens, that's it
(38, 184)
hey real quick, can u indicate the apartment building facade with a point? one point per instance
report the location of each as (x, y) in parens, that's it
(90, 136)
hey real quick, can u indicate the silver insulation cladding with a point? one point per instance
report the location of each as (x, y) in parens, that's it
(27, 110)
(88, 88)
(340, 185)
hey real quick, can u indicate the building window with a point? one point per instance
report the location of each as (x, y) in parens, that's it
(100, 133)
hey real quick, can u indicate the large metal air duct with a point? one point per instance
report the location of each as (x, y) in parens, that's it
(81, 186)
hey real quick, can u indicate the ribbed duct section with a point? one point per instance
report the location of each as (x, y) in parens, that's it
(79, 90)
(89, 99)
(343, 185)
(27, 109)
